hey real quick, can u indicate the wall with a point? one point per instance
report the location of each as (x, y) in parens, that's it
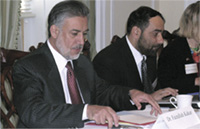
(111, 17)
(35, 27)
(172, 12)
(115, 14)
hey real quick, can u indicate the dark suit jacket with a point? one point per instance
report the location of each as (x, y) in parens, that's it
(39, 96)
(171, 67)
(116, 64)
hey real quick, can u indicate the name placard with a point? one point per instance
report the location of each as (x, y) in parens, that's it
(178, 119)
(191, 68)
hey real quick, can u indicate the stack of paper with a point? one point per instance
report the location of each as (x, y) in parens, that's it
(132, 120)
(136, 120)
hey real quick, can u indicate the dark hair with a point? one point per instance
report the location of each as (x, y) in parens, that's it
(66, 9)
(140, 18)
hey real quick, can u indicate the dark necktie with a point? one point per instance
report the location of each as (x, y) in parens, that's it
(73, 89)
(146, 82)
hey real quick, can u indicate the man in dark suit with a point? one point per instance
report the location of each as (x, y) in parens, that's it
(42, 93)
(121, 62)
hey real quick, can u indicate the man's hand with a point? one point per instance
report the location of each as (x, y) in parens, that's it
(102, 114)
(159, 94)
(139, 97)
(197, 81)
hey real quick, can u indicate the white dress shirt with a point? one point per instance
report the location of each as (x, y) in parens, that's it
(61, 63)
(137, 56)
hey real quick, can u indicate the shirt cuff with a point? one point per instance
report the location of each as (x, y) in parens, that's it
(84, 116)
(132, 102)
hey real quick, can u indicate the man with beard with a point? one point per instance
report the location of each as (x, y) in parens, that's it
(121, 62)
(43, 80)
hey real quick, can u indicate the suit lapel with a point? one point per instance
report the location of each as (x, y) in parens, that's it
(188, 56)
(82, 81)
(54, 80)
(130, 62)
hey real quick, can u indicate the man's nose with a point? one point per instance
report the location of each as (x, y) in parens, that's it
(81, 39)
(160, 39)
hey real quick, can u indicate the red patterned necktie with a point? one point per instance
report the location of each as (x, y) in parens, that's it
(73, 89)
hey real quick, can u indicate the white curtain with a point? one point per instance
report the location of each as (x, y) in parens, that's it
(91, 25)
(10, 23)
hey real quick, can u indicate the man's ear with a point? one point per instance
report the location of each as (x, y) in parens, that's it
(136, 31)
(54, 31)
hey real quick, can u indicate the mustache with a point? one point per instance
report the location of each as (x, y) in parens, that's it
(78, 47)
(158, 46)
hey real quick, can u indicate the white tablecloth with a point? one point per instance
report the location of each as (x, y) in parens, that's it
(141, 115)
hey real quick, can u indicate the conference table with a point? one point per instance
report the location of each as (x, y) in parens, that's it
(142, 119)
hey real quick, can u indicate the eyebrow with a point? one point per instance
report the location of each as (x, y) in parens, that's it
(79, 30)
(157, 30)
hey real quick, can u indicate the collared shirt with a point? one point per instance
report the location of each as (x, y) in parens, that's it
(61, 63)
(137, 56)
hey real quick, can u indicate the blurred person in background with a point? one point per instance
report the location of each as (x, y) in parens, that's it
(178, 65)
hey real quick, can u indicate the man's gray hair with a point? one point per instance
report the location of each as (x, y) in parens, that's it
(66, 9)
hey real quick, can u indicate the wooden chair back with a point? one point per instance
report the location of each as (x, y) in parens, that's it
(8, 112)
(9, 116)
(9, 56)
(114, 39)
